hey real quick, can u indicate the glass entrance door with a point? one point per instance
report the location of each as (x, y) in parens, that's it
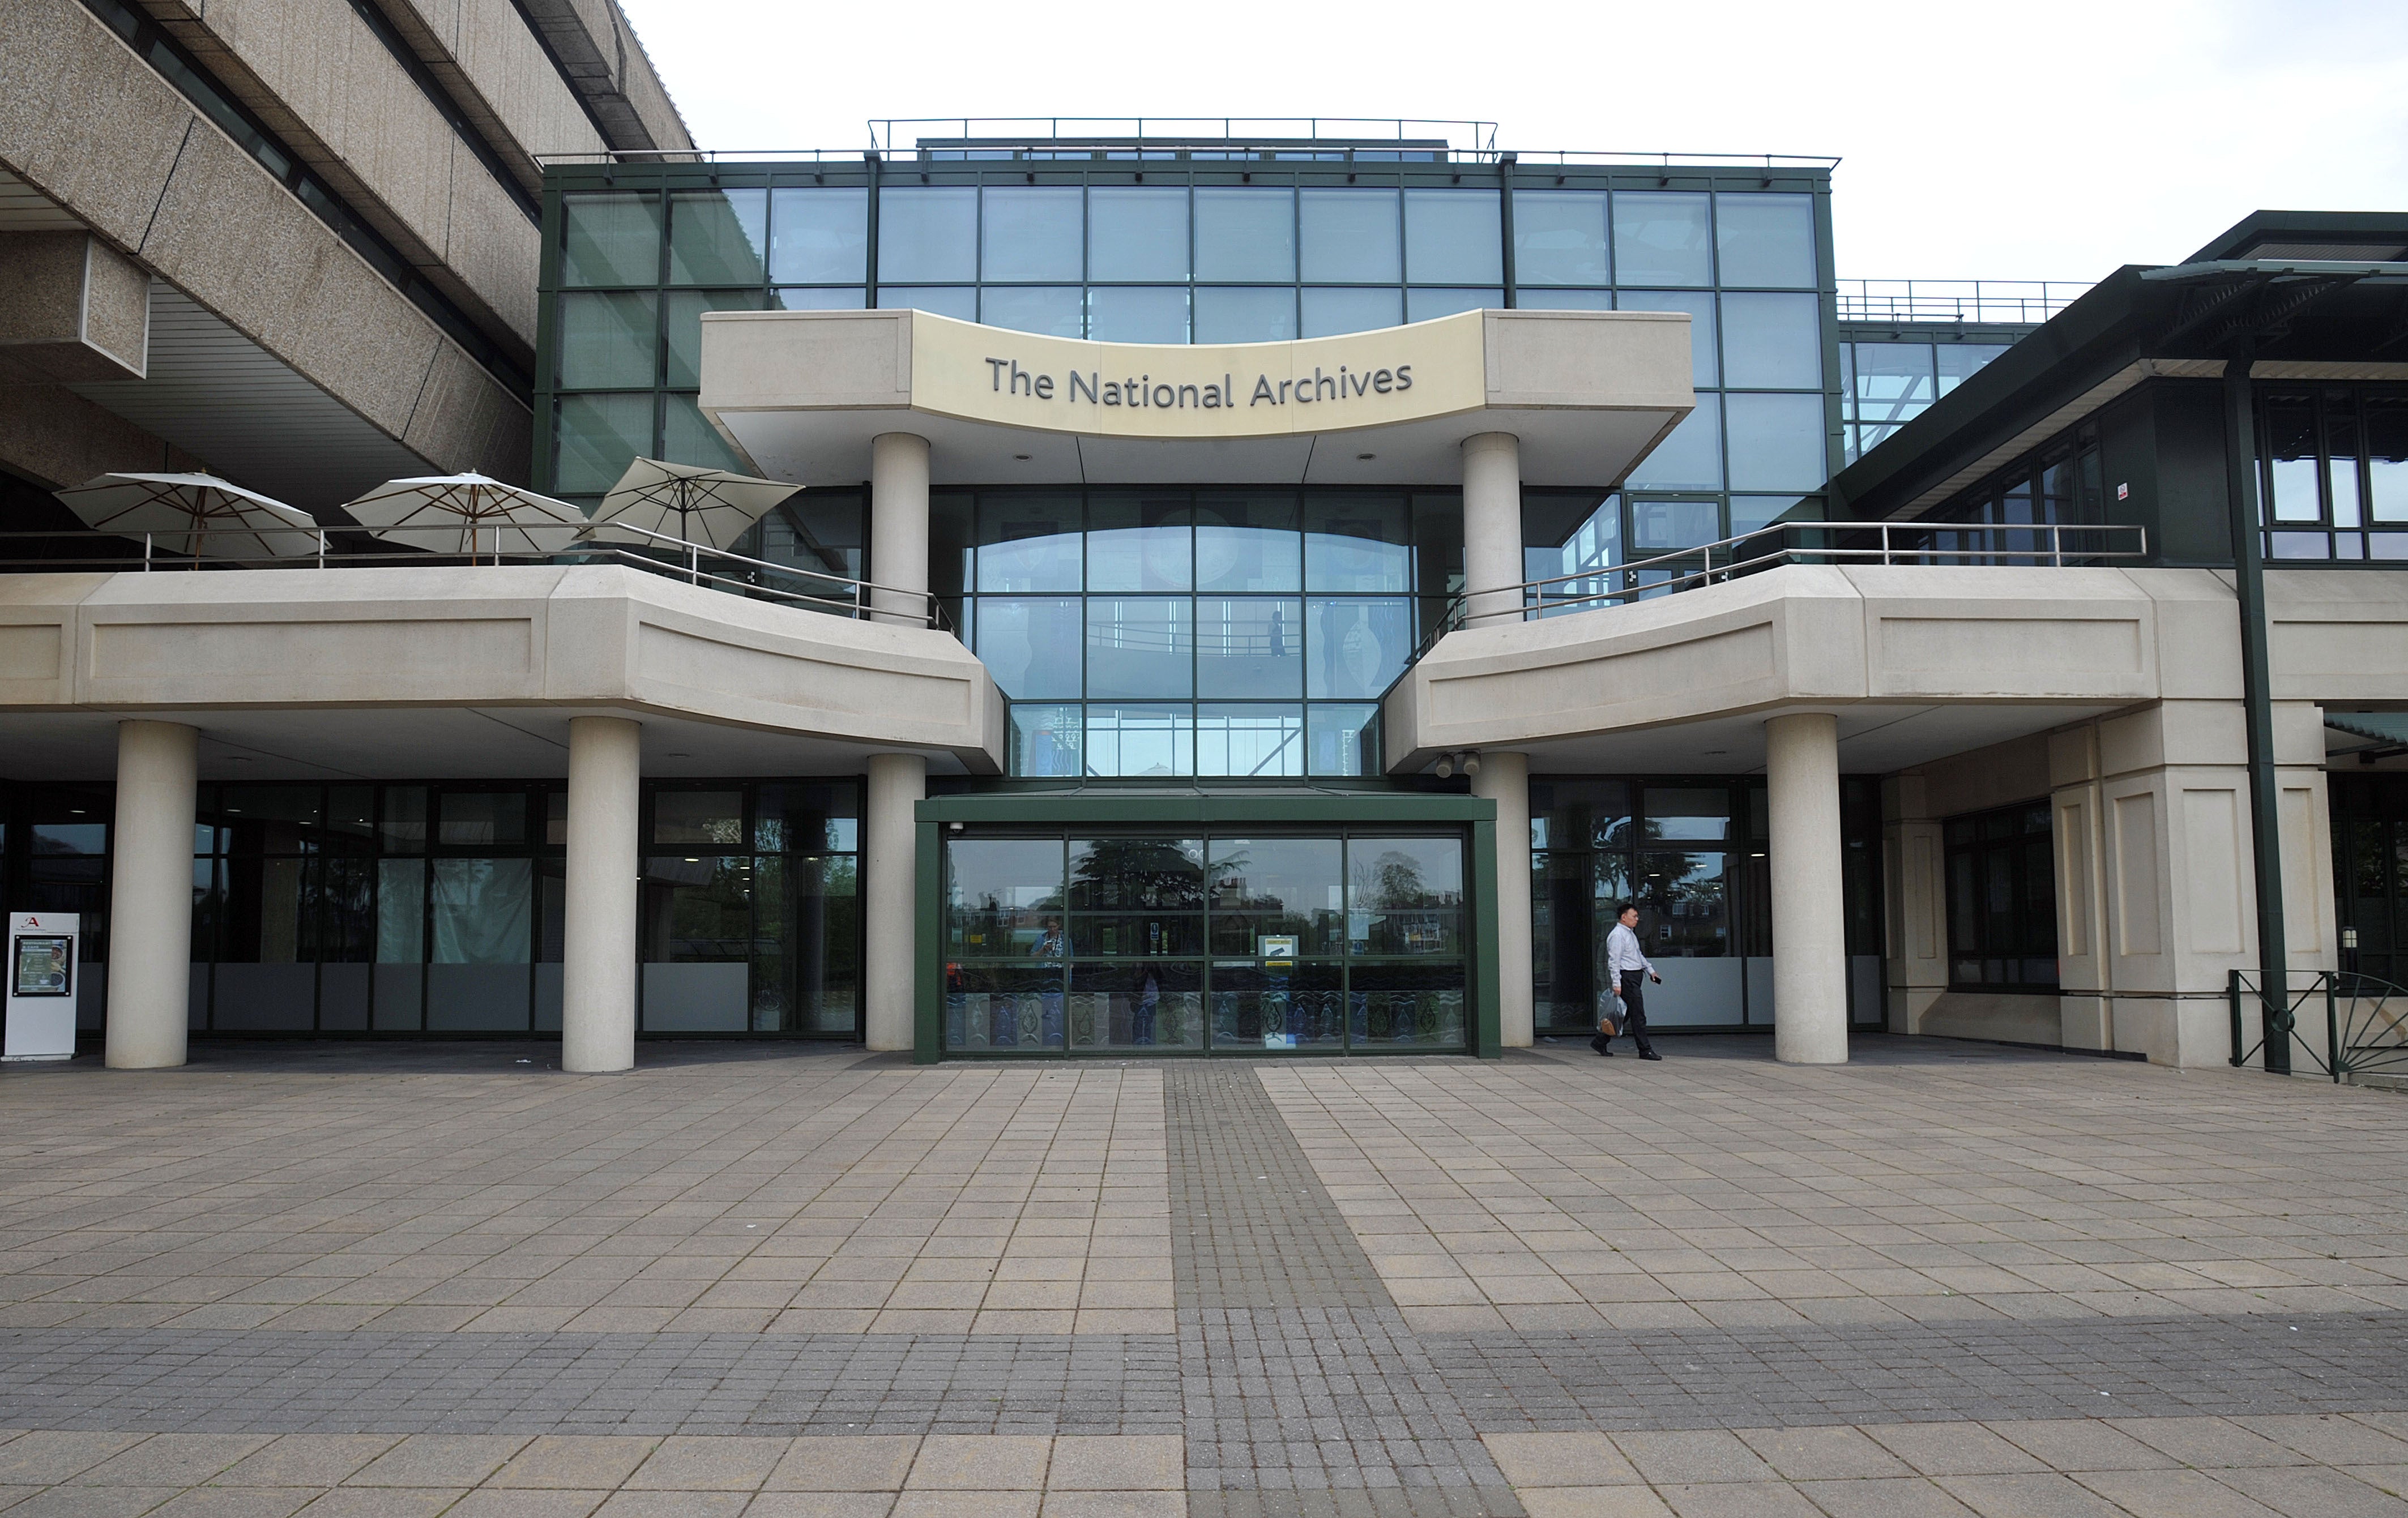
(1093, 942)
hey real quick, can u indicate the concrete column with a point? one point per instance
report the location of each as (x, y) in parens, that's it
(598, 972)
(150, 895)
(1809, 940)
(1492, 526)
(890, 898)
(1505, 778)
(899, 527)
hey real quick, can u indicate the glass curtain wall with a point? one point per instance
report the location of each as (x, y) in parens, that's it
(1886, 384)
(1065, 942)
(1235, 633)
(1185, 250)
(438, 908)
(1694, 854)
(751, 908)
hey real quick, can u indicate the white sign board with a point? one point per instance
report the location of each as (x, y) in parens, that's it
(42, 966)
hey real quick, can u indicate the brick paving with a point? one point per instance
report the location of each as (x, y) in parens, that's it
(338, 1279)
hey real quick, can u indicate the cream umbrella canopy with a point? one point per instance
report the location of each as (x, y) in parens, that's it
(194, 513)
(467, 514)
(713, 507)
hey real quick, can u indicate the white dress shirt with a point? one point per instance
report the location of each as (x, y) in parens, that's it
(1622, 956)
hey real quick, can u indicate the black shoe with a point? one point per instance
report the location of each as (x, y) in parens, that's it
(1649, 1053)
(1598, 1044)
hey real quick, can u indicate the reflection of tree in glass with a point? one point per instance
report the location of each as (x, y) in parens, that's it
(1137, 874)
(1413, 916)
(1689, 897)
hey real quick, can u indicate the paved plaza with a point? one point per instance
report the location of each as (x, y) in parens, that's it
(1948, 1278)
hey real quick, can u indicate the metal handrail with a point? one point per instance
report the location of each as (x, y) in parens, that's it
(2013, 302)
(2370, 1038)
(848, 596)
(1689, 567)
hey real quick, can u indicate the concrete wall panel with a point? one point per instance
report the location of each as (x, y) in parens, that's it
(111, 179)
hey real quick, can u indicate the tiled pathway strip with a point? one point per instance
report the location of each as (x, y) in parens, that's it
(1298, 1373)
(1243, 1376)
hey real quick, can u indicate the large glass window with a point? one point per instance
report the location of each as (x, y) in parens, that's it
(1349, 236)
(819, 236)
(2001, 899)
(1560, 238)
(1776, 441)
(1103, 615)
(1453, 238)
(1662, 239)
(1254, 943)
(1245, 236)
(438, 909)
(1137, 234)
(1032, 233)
(610, 240)
(607, 340)
(1245, 315)
(1694, 856)
(928, 235)
(1766, 239)
(719, 236)
(1772, 342)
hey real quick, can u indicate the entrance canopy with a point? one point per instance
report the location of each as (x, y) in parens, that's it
(1587, 393)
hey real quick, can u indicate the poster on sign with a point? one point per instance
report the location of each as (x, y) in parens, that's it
(41, 1004)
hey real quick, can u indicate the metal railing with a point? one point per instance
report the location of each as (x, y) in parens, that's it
(922, 134)
(2010, 302)
(2365, 1022)
(1304, 139)
(2052, 545)
(674, 558)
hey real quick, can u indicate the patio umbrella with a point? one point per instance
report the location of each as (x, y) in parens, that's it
(694, 505)
(469, 514)
(194, 513)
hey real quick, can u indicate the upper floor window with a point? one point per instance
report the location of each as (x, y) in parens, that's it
(2333, 471)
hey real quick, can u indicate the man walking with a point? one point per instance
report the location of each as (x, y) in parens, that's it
(1624, 967)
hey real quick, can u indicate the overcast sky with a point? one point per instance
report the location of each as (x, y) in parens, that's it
(2040, 140)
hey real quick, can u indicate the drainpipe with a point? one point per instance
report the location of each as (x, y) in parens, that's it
(2265, 816)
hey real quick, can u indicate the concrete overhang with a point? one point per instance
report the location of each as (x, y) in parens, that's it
(433, 672)
(1915, 662)
(1587, 393)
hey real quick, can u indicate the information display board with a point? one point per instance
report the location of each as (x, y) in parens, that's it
(41, 986)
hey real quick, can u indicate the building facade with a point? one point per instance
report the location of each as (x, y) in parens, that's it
(1250, 596)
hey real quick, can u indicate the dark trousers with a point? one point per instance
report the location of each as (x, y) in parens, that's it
(1634, 1008)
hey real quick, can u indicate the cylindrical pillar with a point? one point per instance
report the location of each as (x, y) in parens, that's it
(597, 951)
(150, 895)
(1492, 527)
(1809, 936)
(899, 527)
(1505, 778)
(890, 898)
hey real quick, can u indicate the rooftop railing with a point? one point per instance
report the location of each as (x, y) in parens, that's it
(1231, 138)
(673, 558)
(1921, 543)
(2007, 301)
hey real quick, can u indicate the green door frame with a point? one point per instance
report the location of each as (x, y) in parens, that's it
(1058, 808)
